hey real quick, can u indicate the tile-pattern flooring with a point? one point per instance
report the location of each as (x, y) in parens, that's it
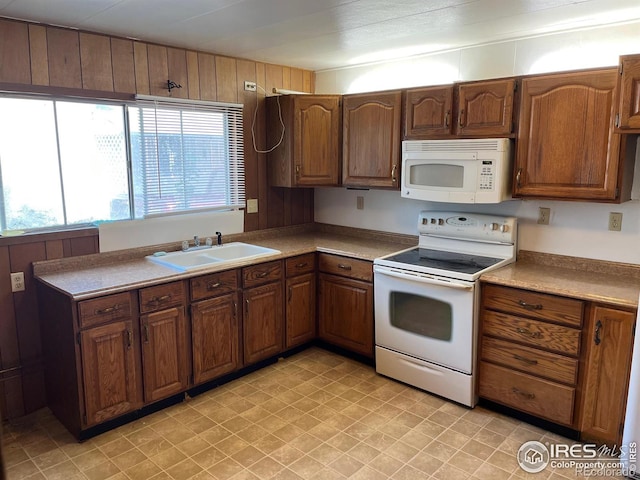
(314, 415)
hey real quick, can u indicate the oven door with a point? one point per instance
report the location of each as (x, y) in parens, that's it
(425, 316)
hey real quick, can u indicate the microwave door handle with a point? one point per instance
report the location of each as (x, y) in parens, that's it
(423, 279)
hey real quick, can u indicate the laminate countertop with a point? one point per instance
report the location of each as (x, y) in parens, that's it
(100, 274)
(615, 284)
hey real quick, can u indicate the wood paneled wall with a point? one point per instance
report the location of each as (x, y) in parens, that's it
(59, 61)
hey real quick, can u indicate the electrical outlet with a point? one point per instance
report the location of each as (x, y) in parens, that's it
(250, 86)
(615, 221)
(360, 203)
(252, 205)
(543, 215)
(17, 282)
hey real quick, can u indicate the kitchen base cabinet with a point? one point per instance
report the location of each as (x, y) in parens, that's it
(108, 371)
(263, 317)
(164, 353)
(608, 341)
(214, 337)
(345, 303)
(300, 290)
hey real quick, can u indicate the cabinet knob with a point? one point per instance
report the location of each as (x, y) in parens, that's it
(461, 118)
(596, 337)
(528, 333)
(344, 267)
(529, 306)
(211, 286)
(393, 173)
(518, 178)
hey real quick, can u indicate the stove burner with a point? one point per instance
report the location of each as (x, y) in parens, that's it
(447, 261)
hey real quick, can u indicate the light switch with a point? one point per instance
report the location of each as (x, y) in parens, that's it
(252, 205)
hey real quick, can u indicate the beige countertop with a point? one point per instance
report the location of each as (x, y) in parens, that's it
(593, 280)
(100, 274)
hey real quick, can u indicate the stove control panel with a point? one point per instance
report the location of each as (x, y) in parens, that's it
(468, 226)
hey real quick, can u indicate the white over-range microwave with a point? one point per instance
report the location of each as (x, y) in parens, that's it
(457, 171)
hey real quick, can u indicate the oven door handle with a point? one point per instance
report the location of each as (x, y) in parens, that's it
(416, 277)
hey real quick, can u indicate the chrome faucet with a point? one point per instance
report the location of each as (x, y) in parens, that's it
(196, 241)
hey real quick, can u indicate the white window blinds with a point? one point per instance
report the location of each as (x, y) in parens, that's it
(186, 156)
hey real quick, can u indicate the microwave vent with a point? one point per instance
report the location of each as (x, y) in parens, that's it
(458, 145)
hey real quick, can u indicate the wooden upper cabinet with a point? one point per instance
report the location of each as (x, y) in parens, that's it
(608, 342)
(96, 62)
(63, 52)
(427, 112)
(309, 154)
(565, 146)
(371, 139)
(628, 113)
(466, 109)
(485, 108)
(14, 52)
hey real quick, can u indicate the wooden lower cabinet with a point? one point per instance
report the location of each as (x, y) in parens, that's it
(263, 321)
(608, 341)
(165, 364)
(571, 368)
(300, 310)
(108, 355)
(214, 337)
(345, 312)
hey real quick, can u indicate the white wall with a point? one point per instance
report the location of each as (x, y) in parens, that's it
(576, 228)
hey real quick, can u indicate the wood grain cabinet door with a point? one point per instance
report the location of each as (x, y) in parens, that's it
(263, 321)
(371, 139)
(485, 108)
(609, 343)
(108, 370)
(345, 313)
(565, 146)
(164, 353)
(214, 337)
(300, 310)
(629, 93)
(428, 112)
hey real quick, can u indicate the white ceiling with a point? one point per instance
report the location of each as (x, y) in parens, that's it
(322, 34)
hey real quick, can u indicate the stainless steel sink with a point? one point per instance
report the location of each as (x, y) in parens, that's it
(215, 255)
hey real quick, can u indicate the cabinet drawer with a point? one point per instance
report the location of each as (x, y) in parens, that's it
(526, 393)
(161, 296)
(530, 360)
(213, 285)
(300, 264)
(262, 273)
(346, 267)
(104, 309)
(531, 332)
(533, 304)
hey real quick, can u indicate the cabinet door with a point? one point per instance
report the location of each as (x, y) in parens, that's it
(316, 142)
(485, 108)
(629, 93)
(164, 353)
(301, 309)
(345, 313)
(565, 149)
(609, 343)
(427, 112)
(371, 139)
(108, 370)
(214, 337)
(262, 322)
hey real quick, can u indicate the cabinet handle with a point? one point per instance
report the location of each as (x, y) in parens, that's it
(129, 338)
(246, 306)
(596, 337)
(235, 309)
(527, 395)
(393, 173)
(526, 360)
(211, 286)
(529, 306)
(460, 118)
(528, 333)
(301, 265)
(157, 300)
(290, 293)
(518, 178)
(446, 118)
(102, 311)
(262, 274)
(297, 170)
(145, 329)
(344, 267)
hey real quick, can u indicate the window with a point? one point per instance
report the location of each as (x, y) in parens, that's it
(66, 162)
